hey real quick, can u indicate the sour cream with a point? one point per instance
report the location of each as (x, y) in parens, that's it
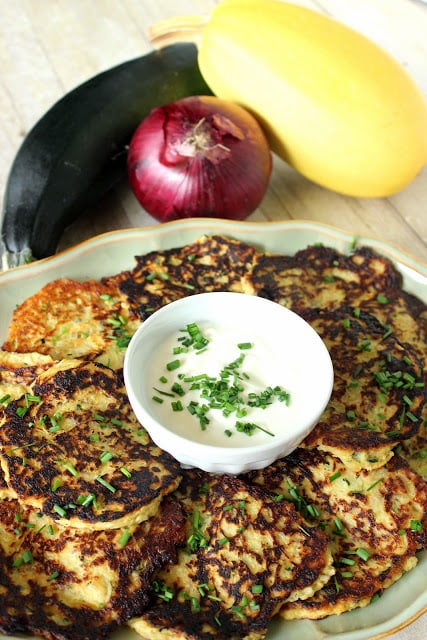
(260, 367)
(285, 352)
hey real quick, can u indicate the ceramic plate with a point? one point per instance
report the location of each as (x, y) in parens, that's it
(112, 252)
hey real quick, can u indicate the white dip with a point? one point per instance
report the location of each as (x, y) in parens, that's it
(263, 366)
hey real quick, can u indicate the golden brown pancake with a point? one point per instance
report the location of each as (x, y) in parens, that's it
(378, 392)
(246, 555)
(73, 584)
(322, 277)
(376, 522)
(70, 319)
(74, 450)
(211, 263)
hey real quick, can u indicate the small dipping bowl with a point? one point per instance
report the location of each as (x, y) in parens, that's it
(294, 359)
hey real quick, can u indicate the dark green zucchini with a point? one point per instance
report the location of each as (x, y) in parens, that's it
(77, 151)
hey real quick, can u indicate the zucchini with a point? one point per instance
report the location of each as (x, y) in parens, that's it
(77, 151)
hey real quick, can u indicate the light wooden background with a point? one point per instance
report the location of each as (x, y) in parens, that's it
(48, 47)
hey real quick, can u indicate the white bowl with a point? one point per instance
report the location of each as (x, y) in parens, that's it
(286, 352)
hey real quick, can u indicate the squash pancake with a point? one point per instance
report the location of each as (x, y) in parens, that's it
(378, 391)
(376, 522)
(214, 263)
(246, 555)
(70, 319)
(414, 450)
(18, 371)
(72, 584)
(322, 277)
(74, 450)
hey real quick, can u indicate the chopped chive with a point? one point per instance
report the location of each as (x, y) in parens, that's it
(56, 484)
(59, 510)
(26, 558)
(85, 501)
(363, 553)
(374, 484)
(105, 484)
(105, 456)
(124, 539)
(69, 467)
(416, 525)
(54, 575)
(245, 345)
(338, 525)
(125, 472)
(257, 588)
(174, 364)
(178, 389)
(411, 416)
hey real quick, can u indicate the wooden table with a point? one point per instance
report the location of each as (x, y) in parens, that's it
(47, 47)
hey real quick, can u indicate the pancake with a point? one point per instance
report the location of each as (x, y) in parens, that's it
(414, 450)
(322, 277)
(211, 263)
(74, 450)
(70, 584)
(376, 522)
(378, 393)
(18, 371)
(246, 555)
(70, 319)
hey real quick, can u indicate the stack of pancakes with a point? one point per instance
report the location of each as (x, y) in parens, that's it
(101, 528)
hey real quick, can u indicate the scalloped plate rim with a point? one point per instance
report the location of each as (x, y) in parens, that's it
(83, 261)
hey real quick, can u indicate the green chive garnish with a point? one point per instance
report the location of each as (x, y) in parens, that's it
(126, 534)
(106, 484)
(174, 364)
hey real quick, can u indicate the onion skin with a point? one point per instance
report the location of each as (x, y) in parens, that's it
(199, 156)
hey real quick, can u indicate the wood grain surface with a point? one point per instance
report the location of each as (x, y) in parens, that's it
(48, 47)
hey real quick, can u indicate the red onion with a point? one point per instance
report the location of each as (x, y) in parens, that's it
(199, 156)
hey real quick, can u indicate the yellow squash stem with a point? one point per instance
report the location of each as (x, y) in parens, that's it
(334, 105)
(177, 29)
